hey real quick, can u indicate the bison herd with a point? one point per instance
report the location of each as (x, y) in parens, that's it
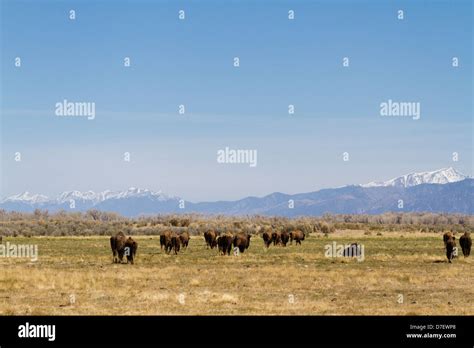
(172, 241)
(281, 238)
(239, 242)
(224, 242)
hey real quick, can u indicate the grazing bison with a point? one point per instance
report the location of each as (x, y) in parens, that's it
(211, 239)
(297, 236)
(284, 238)
(174, 244)
(165, 239)
(276, 237)
(465, 242)
(450, 244)
(122, 246)
(242, 241)
(267, 238)
(224, 243)
(184, 238)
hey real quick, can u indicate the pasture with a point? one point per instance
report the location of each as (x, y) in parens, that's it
(402, 273)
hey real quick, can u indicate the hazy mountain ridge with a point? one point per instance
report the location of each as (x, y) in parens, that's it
(444, 190)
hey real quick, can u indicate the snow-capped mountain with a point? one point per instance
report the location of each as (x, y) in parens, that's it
(99, 197)
(131, 202)
(445, 190)
(68, 196)
(26, 197)
(440, 176)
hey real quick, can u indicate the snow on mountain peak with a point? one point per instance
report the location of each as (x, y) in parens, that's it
(27, 198)
(88, 196)
(440, 176)
(139, 192)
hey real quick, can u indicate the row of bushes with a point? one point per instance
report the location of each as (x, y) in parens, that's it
(42, 223)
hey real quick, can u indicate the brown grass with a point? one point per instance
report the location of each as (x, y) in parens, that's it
(200, 282)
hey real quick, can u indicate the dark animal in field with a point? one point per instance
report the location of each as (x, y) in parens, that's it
(211, 239)
(184, 238)
(297, 236)
(165, 239)
(174, 244)
(352, 250)
(117, 243)
(447, 236)
(267, 238)
(284, 238)
(131, 247)
(242, 241)
(276, 238)
(122, 246)
(224, 243)
(450, 244)
(465, 242)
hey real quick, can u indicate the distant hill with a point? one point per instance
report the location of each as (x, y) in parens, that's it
(444, 190)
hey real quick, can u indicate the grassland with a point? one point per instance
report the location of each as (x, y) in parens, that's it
(75, 275)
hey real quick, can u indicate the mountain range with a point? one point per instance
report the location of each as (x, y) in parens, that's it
(444, 190)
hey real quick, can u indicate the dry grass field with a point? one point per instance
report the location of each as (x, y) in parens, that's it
(402, 274)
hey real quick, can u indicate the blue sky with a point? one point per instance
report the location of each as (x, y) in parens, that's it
(190, 62)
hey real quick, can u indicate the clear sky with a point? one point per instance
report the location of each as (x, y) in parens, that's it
(190, 62)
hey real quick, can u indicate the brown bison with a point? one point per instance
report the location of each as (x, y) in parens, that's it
(184, 238)
(466, 242)
(267, 238)
(450, 244)
(242, 241)
(224, 243)
(123, 246)
(447, 236)
(297, 236)
(174, 244)
(211, 239)
(284, 238)
(276, 238)
(165, 239)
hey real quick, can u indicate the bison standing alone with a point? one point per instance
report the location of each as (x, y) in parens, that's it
(121, 246)
(466, 242)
